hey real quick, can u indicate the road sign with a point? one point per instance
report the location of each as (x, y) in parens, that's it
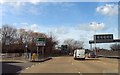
(102, 38)
(40, 39)
(40, 42)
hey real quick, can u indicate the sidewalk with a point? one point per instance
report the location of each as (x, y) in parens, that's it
(23, 59)
(13, 59)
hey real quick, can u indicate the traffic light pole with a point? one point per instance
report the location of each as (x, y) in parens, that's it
(43, 51)
(37, 54)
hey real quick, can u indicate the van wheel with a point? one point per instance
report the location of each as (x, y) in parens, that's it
(83, 58)
(74, 58)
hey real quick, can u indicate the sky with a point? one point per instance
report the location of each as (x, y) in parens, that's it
(76, 20)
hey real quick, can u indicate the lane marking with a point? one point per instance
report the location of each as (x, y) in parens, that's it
(72, 63)
(32, 65)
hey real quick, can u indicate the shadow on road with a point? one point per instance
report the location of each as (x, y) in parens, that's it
(90, 59)
(9, 68)
(11, 62)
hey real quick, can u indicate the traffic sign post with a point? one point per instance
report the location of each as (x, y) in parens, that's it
(41, 42)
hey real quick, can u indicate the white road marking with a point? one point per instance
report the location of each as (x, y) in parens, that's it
(32, 65)
(80, 73)
(72, 63)
(27, 68)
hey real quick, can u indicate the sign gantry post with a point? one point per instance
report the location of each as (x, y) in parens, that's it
(102, 38)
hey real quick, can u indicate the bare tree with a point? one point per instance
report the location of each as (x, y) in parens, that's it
(53, 39)
(8, 34)
(73, 44)
(115, 47)
(0, 39)
(1, 34)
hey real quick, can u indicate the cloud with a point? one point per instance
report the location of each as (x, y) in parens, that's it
(27, 26)
(108, 9)
(35, 1)
(96, 26)
(61, 30)
(17, 8)
(19, 2)
(93, 26)
(1, 11)
(36, 11)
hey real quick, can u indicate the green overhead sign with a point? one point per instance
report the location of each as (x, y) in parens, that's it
(40, 39)
(41, 42)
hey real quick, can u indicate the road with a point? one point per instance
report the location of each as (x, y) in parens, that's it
(66, 64)
(15, 66)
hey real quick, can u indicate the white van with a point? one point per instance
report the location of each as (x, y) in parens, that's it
(79, 54)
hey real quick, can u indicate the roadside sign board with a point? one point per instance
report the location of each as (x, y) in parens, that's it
(40, 42)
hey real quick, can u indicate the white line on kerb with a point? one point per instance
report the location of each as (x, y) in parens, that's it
(80, 73)
(32, 66)
(27, 68)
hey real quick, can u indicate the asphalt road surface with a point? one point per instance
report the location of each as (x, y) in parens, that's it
(15, 66)
(66, 64)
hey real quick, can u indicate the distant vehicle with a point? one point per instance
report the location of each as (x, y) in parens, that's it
(92, 55)
(79, 54)
(2, 55)
(70, 54)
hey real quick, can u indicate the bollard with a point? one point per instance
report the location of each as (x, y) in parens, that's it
(33, 57)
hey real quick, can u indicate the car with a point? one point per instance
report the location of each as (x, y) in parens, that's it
(2, 55)
(70, 54)
(92, 55)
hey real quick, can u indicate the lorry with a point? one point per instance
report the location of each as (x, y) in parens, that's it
(79, 54)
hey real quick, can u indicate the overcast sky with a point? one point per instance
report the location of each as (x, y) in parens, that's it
(77, 20)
